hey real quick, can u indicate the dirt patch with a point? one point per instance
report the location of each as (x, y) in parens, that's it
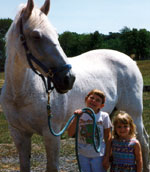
(9, 161)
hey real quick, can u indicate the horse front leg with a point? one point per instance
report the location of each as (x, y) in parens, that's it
(23, 144)
(52, 146)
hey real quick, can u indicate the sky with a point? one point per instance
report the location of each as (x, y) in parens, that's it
(88, 16)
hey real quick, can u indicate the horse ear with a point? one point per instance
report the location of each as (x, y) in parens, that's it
(45, 8)
(28, 9)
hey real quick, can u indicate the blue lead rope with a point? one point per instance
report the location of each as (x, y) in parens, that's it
(94, 131)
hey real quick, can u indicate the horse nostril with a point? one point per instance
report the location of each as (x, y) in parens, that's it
(66, 80)
(69, 81)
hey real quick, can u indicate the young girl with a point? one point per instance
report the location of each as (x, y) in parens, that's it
(90, 160)
(126, 149)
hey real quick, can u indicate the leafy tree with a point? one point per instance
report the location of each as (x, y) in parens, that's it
(4, 25)
(84, 43)
(96, 40)
(112, 41)
(143, 47)
(129, 40)
(69, 42)
(136, 42)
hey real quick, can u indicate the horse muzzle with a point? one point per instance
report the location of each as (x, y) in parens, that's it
(63, 81)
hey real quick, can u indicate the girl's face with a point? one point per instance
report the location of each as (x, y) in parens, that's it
(94, 102)
(123, 130)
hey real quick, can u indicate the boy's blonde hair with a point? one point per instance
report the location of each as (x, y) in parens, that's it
(124, 118)
(98, 93)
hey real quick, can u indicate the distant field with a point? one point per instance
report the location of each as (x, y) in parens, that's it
(1, 79)
(145, 70)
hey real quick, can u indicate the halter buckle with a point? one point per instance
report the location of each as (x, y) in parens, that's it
(22, 38)
(50, 73)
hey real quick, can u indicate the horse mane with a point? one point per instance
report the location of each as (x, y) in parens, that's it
(9, 34)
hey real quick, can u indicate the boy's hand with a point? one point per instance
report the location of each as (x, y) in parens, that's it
(78, 111)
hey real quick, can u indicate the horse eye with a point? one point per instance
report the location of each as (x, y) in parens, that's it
(36, 35)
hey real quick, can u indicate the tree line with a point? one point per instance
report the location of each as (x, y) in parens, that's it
(133, 42)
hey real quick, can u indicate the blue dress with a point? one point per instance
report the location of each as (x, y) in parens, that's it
(123, 158)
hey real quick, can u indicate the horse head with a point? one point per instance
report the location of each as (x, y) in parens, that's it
(42, 48)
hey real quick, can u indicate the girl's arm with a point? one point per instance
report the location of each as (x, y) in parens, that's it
(108, 139)
(138, 157)
(72, 126)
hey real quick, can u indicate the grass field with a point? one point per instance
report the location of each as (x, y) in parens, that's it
(145, 70)
(1, 79)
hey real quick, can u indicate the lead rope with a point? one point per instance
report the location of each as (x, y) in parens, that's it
(94, 129)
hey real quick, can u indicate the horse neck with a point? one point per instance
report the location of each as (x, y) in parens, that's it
(16, 76)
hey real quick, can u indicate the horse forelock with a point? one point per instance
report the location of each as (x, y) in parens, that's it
(39, 19)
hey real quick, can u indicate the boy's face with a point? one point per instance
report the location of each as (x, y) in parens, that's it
(94, 102)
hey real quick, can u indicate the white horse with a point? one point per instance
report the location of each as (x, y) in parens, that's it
(24, 99)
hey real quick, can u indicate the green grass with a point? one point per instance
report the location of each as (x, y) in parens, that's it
(144, 67)
(146, 111)
(1, 79)
(4, 132)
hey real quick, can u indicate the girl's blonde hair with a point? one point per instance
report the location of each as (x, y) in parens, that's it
(98, 93)
(124, 118)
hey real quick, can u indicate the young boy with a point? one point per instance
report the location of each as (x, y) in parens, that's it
(90, 160)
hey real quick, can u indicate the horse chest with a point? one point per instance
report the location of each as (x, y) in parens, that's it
(30, 118)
